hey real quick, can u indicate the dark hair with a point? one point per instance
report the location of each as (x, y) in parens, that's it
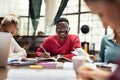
(62, 19)
(111, 1)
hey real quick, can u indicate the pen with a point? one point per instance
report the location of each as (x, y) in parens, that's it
(45, 52)
(43, 48)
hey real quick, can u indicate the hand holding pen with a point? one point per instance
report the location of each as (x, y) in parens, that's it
(45, 53)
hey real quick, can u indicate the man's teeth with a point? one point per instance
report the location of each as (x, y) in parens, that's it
(62, 33)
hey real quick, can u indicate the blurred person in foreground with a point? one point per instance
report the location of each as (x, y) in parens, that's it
(62, 43)
(10, 24)
(110, 48)
(109, 12)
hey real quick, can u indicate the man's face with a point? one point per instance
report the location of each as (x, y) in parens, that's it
(109, 13)
(62, 29)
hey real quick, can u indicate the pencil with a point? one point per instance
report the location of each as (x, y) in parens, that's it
(43, 50)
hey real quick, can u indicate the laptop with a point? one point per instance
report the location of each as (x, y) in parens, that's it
(5, 40)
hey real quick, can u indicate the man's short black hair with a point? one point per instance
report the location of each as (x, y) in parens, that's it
(62, 19)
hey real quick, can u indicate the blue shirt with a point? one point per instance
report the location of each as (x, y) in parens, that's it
(109, 51)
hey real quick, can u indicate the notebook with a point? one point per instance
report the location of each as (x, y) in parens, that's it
(5, 39)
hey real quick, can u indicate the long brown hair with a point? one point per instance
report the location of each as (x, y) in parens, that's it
(109, 1)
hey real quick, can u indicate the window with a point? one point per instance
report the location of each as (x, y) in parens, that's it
(20, 7)
(86, 18)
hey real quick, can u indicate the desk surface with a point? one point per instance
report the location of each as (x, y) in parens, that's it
(4, 71)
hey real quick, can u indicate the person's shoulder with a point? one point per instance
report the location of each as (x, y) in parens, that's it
(73, 36)
(106, 36)
(51, 37)
(13, 40)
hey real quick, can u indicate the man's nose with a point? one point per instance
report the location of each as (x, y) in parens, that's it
(62, 29)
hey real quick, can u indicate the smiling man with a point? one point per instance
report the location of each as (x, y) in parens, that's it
(62, 43)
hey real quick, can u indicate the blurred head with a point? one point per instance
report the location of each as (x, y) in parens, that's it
(9, 24)
(107, 10)
(62, 28)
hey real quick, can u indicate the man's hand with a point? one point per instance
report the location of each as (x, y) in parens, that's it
(46, 55)
(92, 74)
(94, 58)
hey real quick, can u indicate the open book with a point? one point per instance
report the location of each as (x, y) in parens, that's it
(21, 61)
(58, 59)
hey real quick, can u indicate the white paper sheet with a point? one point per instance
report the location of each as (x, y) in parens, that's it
(43, 74)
